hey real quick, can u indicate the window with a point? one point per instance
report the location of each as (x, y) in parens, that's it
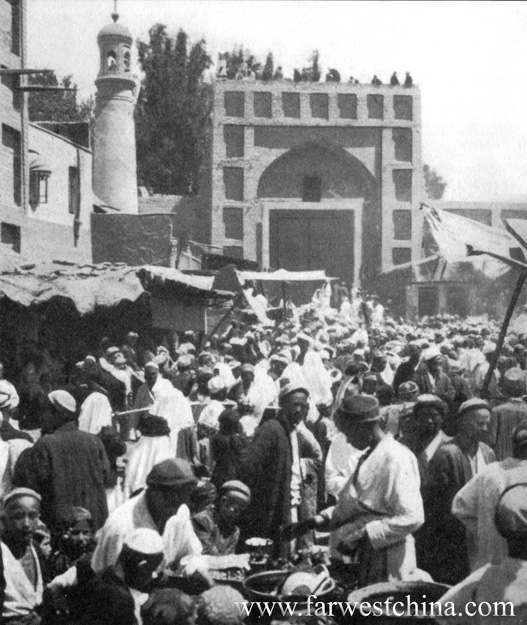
(38, 189)
(347, 103)
(11, 140)
(126, 60)
(402, 141)
(233, 220)
(311, 189)
(74, 195)
(263, 104)
(10, 236)
(319, 105)
(401, 255)
(375, 106)
(234, 103)
(291, 105)
(402, 225)
(402, 180)
(233, 181)
(234, 141)
(234, 251)
(111, 61)
(15, 26)
(402, 107)
(12, 82)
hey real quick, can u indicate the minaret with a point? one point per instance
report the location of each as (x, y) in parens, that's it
(114, 155)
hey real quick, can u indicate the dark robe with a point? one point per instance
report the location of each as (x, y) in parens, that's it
(406, 372)
(503, 421)
(104, 599)
(443, 386)
(68, 468)
(9, 433)
(445, 555)
(266, 469)
(226, 450)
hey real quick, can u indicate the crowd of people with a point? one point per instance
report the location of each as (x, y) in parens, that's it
(338, 425)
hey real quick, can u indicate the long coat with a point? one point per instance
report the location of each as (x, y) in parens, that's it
(446, 557)
(266, 468)
(68, 468)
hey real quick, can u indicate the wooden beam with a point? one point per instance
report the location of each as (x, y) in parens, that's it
(6, 72)
(42, 88)
(503, 332)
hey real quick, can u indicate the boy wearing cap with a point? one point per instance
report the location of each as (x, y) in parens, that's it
(22, 570)
(217, 529)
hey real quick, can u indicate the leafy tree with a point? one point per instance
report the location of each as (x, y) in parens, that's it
(173, 112)
(239, 60)
(312, 73)
(57, 106)
(268, 70)
(434, 184)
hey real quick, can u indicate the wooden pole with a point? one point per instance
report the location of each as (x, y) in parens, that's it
(503, 332)
(284, 300)
(235, 303)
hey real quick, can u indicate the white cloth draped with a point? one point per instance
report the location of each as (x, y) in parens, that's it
(178, 536)
(475, 506)
(21, 597)
(143, 456)
(95, 413)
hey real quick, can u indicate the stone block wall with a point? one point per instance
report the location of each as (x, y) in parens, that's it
(255, 123)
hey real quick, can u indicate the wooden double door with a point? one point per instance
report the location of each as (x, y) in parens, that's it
(307, 240)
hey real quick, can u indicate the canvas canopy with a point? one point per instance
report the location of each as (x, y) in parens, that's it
(105, 285)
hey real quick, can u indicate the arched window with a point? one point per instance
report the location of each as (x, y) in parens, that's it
(111, 60)
(127, 60)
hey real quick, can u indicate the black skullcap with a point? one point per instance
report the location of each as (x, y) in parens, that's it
(172, 472)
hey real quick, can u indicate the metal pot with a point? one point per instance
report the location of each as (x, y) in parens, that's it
(266, 586)
(386, 594)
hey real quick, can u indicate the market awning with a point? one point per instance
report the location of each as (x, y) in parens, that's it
(105, 285)
(281, 275)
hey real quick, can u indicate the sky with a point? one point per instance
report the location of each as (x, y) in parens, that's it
(468, 58)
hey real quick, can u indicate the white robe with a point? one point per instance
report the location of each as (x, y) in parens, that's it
(341, 461)
(21, 597)
(387, 489)
(210, 414)
(169, 403)
(9, 453)
(142, 457)
(475, 505)
(6, 388)
(178, 536)
(96, 413)
(506, 582)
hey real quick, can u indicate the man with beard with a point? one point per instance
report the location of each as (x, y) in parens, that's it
(425, 437)
(275, 464)
(452, 466)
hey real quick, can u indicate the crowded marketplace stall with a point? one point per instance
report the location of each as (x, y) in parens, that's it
(327, 453)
